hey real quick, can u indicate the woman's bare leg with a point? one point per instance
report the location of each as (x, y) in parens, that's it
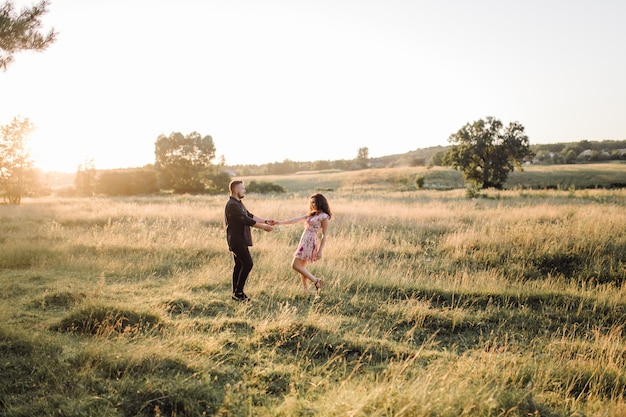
(300, 266)
(305, 283)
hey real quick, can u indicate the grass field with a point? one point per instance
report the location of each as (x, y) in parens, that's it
(513, 304)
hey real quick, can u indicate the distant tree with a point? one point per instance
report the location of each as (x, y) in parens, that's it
(617, 155)
(363, 157)
(544, 156)
(585, 144)
(485, 152)
(286, 167)
(321, 165)
(85, 181)
(219, 183)
(19, 31)
(219, 180)
(264, 187)
(437, 159)
(15, 163)
(183, 163)
(341, 164)
(570, 153)
(127, 182)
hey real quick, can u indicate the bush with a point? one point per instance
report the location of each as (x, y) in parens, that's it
(419, 181)
(264, 187)
(103, 320)
(472, 190)
(219, 183)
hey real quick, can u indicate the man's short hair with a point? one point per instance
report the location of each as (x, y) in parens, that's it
(233, 184)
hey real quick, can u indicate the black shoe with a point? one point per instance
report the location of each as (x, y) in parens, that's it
(240, 297)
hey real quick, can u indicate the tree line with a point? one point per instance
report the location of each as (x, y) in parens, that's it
(484, 151)
(184, 164)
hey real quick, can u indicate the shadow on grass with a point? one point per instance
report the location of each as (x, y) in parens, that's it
(465, 319)
(320, 345)
(35, 380)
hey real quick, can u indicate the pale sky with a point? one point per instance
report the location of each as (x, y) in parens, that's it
(271, 80)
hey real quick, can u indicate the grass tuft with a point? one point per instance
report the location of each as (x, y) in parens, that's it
(105, 321)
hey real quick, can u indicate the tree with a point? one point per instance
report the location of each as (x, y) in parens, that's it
(280, 168)
(15, 163)
(485, 152)
(19, 32)
(321, 165)
(437, 159)
(85, 181)
(363, 157)
(183, 163)
(265, 187)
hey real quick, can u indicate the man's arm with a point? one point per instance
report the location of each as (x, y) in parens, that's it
(264, 224)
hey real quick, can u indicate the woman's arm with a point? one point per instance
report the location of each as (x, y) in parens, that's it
(325, 224)
(292, 221)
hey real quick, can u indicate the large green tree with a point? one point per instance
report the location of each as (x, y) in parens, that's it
(16, 174)
(20, 31)
(485, 151)
(183, 163)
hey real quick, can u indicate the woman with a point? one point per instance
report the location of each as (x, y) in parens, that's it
(310, 248)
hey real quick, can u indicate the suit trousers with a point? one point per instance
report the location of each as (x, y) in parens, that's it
(242, 268)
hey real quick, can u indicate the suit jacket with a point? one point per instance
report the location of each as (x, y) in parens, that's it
(238, 221)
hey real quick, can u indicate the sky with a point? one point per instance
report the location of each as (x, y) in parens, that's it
(312, 80)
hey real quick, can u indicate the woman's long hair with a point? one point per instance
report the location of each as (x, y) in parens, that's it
(321, 205)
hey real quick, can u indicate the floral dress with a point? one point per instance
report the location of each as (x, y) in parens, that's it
(309, 244)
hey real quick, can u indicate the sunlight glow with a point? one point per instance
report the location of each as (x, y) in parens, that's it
(313, 81)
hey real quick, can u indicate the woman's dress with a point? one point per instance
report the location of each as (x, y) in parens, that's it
(309, 244)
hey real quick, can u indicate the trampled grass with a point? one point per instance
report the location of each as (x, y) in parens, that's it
(434, 305)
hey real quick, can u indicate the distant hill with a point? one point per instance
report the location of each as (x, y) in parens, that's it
(411, 158)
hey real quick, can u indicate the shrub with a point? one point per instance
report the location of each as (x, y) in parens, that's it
(264, 187)
(419, 181)
(102, 320)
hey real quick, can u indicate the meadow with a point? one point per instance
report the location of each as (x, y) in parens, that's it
(512, 304)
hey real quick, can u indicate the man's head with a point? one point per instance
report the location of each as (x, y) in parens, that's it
(237, 189)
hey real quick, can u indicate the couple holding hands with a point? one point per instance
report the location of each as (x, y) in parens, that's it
(239, 220)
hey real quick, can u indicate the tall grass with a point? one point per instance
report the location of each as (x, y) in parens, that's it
(434, 305)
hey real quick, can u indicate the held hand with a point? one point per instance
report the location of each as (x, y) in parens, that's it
(271, 222)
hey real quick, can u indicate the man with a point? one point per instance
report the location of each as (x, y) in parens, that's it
(238, 222)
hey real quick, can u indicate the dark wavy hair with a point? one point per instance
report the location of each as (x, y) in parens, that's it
(321, 205)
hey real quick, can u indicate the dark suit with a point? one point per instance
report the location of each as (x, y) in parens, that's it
(238, 221)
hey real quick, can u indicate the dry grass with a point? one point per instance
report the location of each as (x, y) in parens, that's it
(511, 304)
